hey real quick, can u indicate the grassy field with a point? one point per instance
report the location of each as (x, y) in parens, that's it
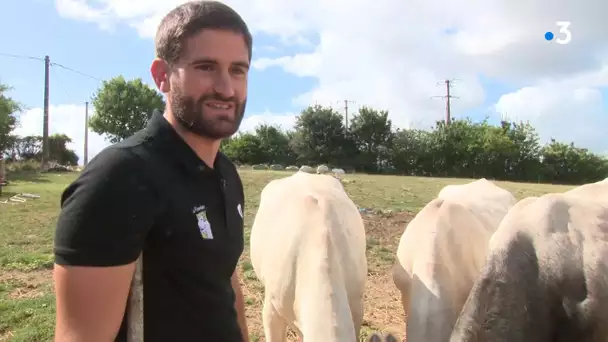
(26, 237)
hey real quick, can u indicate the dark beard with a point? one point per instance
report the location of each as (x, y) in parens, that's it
(190, 114)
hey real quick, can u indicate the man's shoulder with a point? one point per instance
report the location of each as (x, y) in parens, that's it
(126, 153)
(121, 162)
(114, 157)
(226, 163)
(230, 170)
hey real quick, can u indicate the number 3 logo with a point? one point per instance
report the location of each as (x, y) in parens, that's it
(564, 29)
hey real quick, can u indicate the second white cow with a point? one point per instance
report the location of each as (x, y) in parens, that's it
(308, 250)
(441, 253)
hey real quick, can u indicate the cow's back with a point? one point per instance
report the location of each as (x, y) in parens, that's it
(285, 219)
(597, 191)
(488, 202)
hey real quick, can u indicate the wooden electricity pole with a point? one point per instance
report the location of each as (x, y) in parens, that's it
(346, 102)
(45, 120)
(135, 306)
(447, 97)
(86, 134)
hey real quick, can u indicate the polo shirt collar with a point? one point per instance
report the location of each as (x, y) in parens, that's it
(177, 149)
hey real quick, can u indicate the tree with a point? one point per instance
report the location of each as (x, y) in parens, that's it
(319, 136)
(464, 149)
(244, 149)
(566, 163)
(29, 147)
(123, 107)
(373, 136)
(10, 151)
(8, 117)
(411, 154)
(526, 151)
(275, 145)
(59, 152)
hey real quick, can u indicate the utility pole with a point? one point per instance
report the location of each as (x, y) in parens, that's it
(86, 133)
(447, 97)
(45, 124)
(346, 102)
(448, 114)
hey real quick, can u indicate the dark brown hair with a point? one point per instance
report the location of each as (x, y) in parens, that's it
(189, 19)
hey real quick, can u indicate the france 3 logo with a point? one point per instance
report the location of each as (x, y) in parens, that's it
(564, 31)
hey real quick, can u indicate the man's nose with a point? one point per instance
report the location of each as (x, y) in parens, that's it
(223, 84)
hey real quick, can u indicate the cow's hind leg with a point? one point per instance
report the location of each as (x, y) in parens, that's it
(403, 283)
(357, 314)
(275, 328)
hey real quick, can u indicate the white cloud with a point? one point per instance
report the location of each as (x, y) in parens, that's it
(560, 112)
(66, 119)
(390, 53)
(285, 121)
(80, 10)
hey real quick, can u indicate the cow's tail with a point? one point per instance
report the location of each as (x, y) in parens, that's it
(323, 306)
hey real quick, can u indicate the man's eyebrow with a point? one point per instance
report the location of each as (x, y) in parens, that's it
(242, 64)
(203, 61)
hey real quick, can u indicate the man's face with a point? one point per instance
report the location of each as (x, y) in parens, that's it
(208, 86)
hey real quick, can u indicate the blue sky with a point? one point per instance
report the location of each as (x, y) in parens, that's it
(84, 47)
(34, 28)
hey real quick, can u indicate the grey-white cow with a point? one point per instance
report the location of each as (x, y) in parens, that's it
(546, 276)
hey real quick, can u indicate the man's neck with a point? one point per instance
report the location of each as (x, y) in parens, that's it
(205, 148)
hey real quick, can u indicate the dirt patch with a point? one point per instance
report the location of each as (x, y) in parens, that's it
(6, 336)
(387, 227)
(26, 284)
(383, 310)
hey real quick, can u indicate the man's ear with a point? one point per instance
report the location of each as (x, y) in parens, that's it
(160, 74)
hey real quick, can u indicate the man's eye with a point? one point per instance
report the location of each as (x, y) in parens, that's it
(238, 71)
(205, 67)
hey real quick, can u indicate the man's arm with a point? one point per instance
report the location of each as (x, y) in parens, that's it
(90, 302)
(240, 306)
(106, 214)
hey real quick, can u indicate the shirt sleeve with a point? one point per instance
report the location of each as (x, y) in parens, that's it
(106, 213)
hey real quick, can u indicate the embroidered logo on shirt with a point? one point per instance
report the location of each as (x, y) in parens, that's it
(240, 210)
(204, 226)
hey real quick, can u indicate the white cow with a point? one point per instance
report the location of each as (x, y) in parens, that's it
(308, 250)
(307, 169)
(442, 252)
(322, 169)
(546, 276)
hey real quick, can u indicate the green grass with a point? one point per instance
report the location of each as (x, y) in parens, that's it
(27, 229)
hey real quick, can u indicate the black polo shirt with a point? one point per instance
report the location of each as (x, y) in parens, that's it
(152, 193)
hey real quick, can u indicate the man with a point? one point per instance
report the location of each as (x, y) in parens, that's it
(165, 193)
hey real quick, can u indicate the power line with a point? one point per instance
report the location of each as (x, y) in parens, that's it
(21, 56)
(52, 64)
(45, 125)
(76, 71)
